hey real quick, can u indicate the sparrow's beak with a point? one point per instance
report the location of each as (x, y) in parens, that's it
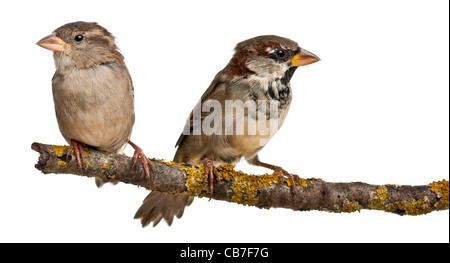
(53, 43)
(303, 58)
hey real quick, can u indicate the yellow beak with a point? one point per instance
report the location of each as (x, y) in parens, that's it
(303, 58)
(53, 43)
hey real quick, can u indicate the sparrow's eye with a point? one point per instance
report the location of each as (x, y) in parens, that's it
(280, 53)
(79, 38)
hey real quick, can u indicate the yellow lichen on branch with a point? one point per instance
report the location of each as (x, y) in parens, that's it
(58, 150)
(441, 190)
(263, 191)
(350, 207)
(416, 206)
(378, 198)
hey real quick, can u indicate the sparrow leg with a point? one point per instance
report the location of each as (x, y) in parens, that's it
(210, 173)
(77, 148)
(281, 173)
(138, 153)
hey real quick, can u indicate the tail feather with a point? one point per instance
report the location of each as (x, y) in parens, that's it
(158, 205)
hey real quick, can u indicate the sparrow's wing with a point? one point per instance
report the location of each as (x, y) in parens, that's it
(213, 91)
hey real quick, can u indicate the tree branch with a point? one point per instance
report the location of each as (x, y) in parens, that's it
(263, 191)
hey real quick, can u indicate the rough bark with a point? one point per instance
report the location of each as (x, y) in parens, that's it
(263, 191)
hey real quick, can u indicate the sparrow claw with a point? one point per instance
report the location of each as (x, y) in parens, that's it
(77, 148)
(291, 177)
(210, 173)
(281, 173)
(145, 162)
(139, 154)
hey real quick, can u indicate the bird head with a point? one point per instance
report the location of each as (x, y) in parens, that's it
(82, 45)
(269, 58)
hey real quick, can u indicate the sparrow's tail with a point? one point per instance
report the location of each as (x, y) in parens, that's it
(159, 205)
(99, 182)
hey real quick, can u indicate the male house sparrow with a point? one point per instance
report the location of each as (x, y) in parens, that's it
(259, 71)
(92, 90)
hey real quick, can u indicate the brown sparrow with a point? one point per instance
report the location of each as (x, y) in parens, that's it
(255, 83)
(92, 90)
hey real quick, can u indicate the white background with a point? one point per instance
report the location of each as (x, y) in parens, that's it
(375, 109)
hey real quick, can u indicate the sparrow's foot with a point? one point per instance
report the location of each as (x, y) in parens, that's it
(77, 148)
(280, 171)
(138, 153)
(291, 177)
(210, 173)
